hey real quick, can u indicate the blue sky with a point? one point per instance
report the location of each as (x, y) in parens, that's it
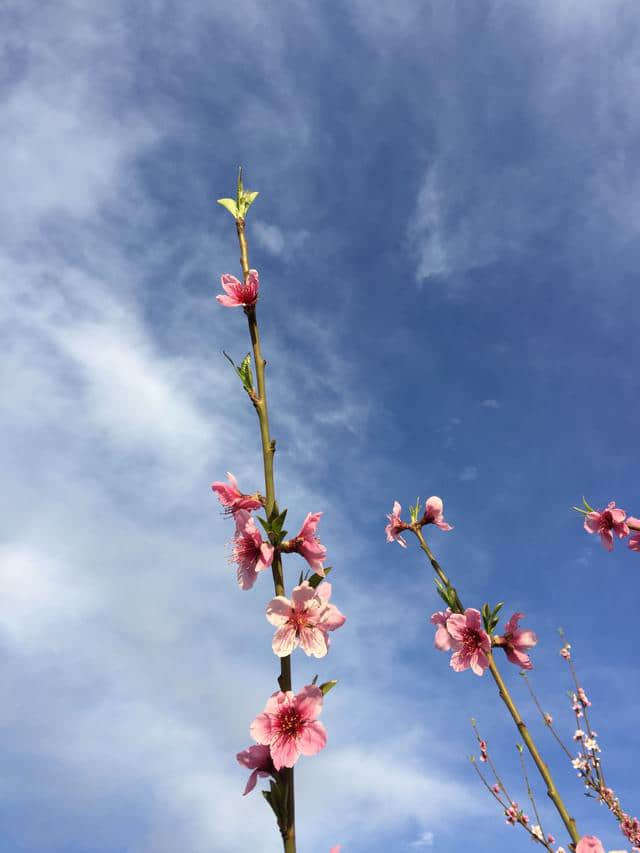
(447, 237)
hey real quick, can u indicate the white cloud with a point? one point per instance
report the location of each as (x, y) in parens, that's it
(490, 404)
(269, 237)
(425, 840)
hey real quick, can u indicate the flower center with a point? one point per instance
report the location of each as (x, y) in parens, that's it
(289, 722)
(298, 620)
(471, 640)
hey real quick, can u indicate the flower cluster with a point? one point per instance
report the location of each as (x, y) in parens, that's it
(613, 521)
(433, 514)
(464, 634)
(288, 727)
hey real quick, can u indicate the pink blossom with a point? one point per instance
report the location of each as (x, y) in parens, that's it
(442, 639)
(433, 514)
(634, 541)
(304, 621)
(395, 526)
(232, 498)
(582, 696)
(470, 641)
(590, 844)
(239, 293)
(308, 545)
(289, 726)
(248, 550)
(517, 640)
(336, 849)
(258, 759)
(611, 520)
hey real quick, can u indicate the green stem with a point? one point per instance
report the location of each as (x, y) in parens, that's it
(552, 791)
(268, 452)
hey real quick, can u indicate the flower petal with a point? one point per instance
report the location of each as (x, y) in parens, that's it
(313, 738)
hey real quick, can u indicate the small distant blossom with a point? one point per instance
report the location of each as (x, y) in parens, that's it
(304, 620)
(470, 642)
(232, 498)
(517, 640)
(548, 719)
(442, 639)
(551, 839)
(483, 750)
(289, 726)
(591, 743)
(307, 544)
(495, 788)
(580, 763)
(258, 759)
(433, 513)
(578, 735)
(576, 706)
(561, 850)
(515, 815)
(336, 849)
(590, 844)
(251, 554)
(537, 832)
(239, 293)
(611, 520)
(582, 696)
(565, 651)
(395, 526)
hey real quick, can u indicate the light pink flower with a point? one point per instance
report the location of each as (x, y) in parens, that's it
(304, 621)
(634, 541)
(442, 639)
(336, 849)
(433, 514)
(258, 759)
(395, 526)
(517, 640)
(232, 498)
(589, 844)
(248, 550)
(611, 520)
(239, 293)
(289, 726)
(308, 545)
(470, 641)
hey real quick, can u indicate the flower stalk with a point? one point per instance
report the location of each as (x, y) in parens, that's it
(259, 401)
(457, 607)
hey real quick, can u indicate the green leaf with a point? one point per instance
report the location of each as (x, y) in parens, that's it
(587, 507)
(327, 686)
(230, 205)
(265, 524)
(315, 580)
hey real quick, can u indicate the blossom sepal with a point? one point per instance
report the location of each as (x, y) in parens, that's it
(277, 798)
(326, 686)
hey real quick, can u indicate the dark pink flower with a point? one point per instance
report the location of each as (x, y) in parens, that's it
(517, 640)
(433, 514)
(470, 641)
(442, 639)
(395, 526)
(289, 726)
(634, 541)
(258, 759)
(239, 293)
(589, 844)
(304, 621)
(232, 498)
(308, 545)
(251, 554)
(611, 520)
